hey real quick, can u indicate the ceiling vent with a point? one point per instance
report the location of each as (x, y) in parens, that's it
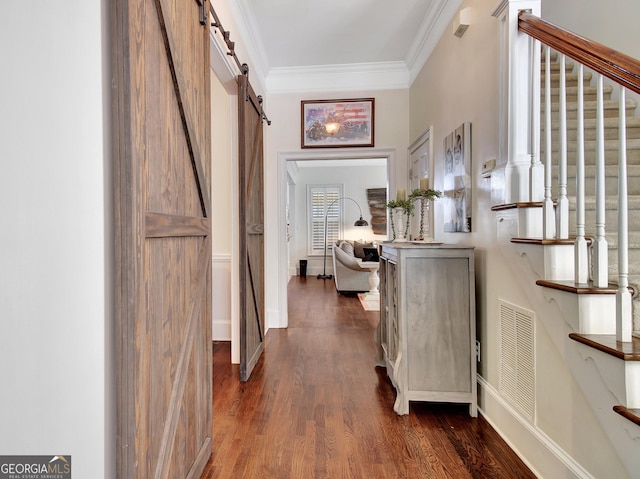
(461, 22)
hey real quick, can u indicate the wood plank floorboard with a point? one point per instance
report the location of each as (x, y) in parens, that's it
(316, 407)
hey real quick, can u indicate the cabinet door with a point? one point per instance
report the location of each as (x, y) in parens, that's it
(383, 325)
(392, 308)
(438, 326)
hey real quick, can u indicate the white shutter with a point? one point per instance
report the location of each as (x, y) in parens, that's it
(324, 203)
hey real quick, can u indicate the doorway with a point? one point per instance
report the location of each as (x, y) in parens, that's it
(287, 230)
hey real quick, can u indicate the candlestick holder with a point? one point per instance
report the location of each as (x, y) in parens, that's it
(423, 207)
(425, 196)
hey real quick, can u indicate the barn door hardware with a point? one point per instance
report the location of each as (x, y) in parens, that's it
(203, 12)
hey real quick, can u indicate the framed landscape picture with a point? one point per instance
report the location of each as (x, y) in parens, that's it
(337, 123)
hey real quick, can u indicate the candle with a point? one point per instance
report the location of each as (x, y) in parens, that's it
(424, 183)
(401, 194)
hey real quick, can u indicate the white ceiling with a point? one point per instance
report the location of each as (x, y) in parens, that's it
(302, 38)
(299, 33)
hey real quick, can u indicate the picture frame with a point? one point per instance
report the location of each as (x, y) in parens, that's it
(337, 123)
(457, 204)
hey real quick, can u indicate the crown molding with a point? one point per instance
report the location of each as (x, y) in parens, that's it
(242, 12)
(355, 76)
(360, 76)
(431, 30)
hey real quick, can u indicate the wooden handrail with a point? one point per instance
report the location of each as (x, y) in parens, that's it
(617, 66)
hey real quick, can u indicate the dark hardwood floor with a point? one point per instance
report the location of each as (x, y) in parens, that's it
(316, 407)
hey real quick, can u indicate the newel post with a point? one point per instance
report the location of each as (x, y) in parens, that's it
(519, 108)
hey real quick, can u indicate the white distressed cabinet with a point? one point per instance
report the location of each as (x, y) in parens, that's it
(427, 331)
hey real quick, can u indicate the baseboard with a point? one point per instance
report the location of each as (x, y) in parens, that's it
(221, 330)
(221, 297)
(274, 319)
(526, 440)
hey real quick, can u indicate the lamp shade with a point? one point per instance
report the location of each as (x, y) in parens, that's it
(361, 222)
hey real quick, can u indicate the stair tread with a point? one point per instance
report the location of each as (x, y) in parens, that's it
(590, 171)
(574, 89)
(591, 145)
(545, 242)
(571, 287)
(611, 202)
(592, 104)
(633, 238)
(556, 75)
(632, 121)
(612, 240)
(607, 343)
(511, 206)
(631, 414)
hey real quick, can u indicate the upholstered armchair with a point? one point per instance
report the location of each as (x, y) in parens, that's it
(349, 276)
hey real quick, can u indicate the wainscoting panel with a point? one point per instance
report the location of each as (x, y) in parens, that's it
(221, 297)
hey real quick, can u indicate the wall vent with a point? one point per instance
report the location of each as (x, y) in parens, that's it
(517, 358)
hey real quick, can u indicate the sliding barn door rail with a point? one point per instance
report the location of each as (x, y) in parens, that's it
(242, 67)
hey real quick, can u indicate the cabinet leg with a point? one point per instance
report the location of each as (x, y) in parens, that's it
(401, 406)
(379, 360)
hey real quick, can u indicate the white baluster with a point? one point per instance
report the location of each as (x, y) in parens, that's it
(548, 213)
(536, 175)
(600, 260)
(581, 252)
(623, 296)
(562, 209)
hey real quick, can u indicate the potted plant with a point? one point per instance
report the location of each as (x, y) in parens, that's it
(403, 210)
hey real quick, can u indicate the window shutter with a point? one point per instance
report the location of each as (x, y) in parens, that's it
(324, 200)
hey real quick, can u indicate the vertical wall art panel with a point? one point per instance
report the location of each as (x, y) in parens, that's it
(457, 180)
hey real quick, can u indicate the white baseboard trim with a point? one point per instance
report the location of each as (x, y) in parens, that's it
(221, 330)
(274, 320)
(221, 297)
(526, 440)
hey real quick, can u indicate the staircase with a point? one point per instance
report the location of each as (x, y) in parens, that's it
(607, 371)
(584, 322)
(611, 135)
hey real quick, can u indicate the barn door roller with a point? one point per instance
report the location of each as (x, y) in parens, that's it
(203, 12)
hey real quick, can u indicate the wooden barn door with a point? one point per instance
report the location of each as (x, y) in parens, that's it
(251, 249)
(161, 149)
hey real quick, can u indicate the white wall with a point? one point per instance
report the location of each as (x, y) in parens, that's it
(56, 315)
(355, 181)
(459, 83)
(222, 201)
(613, 23)
(221, 163)
(283, 138)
